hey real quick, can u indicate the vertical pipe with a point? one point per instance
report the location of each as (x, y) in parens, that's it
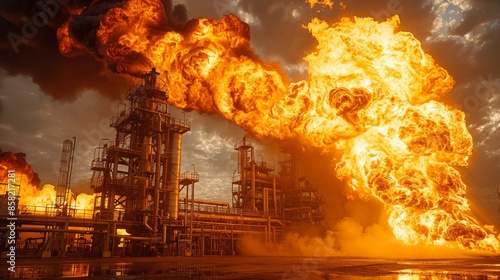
(266, 201)
(269, 227)
(166, 169)
(232, 242)
(253, 179)
(44, 237)
(243, 162)
(274, 195)
(107, 237)
(192, 216)
(175, 167)
(111, 204)
(72, 156)
(274, 234)
(115, 170)
(156, 199)
(64, 239)
(266, 234)
(114, 244)
(186, 206)
(202, 247)
(295, 171)
(282, 203)
(144, 167)
(164, 234)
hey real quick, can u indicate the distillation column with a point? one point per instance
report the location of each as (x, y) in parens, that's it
(174, 165)
(138, 180)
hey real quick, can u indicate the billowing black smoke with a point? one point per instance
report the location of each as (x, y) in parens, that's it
(30, 47)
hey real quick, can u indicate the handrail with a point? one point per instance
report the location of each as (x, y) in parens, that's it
(199, 207)
(52, 211)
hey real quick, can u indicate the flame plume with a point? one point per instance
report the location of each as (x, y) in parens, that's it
(370, 93)
(328, 3)
(28, 190)
(17, 162)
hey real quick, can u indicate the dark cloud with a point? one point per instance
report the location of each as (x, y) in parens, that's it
(17, 162)
(45, 123)
(30, 46)
(208, 9)
(280, 33)
(478, 56)
(481, 11)
(416, 16)
(38, 57)
(83, 27)
(177, 15)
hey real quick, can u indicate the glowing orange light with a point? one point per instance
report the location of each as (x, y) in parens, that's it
(370, 93)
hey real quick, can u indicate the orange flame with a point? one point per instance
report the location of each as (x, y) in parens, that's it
(328, 3)
(33, 197)
(370, 93)
(36, 199)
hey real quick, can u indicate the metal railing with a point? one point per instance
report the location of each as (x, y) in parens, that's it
(239, 143)
(218, 209)
(224, 226)
(190, 176)
(180, 122)
(265, 165)
(52, 211)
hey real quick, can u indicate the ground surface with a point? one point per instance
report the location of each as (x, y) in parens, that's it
(244, 267)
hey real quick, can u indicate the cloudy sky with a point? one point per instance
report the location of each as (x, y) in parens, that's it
(46, 98)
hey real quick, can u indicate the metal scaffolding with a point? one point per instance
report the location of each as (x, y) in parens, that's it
(285, 195)
(64, 180)
(136, 175)
(137, 183)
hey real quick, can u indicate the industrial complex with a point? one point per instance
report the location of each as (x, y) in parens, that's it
(145, 206)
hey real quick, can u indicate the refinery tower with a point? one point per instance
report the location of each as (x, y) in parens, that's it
(145, 206)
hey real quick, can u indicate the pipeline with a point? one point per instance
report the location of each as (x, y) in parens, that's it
(235, 218)
(137, 238)
(31, 229)
(145, 223)
(209, 202)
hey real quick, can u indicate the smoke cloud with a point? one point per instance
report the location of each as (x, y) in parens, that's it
(349, 239)
(30, 46)
(18, 163)
(58, 76)
(28, 187)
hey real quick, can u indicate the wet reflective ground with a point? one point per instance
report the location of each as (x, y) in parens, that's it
(240, 267)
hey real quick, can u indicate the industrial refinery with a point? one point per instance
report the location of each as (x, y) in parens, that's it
(385, 145)
(145, 206)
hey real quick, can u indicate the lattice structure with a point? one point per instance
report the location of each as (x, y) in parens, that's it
(285, 195)
(64, 180)
(136, 175)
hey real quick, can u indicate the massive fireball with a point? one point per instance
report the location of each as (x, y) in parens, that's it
(370, 93)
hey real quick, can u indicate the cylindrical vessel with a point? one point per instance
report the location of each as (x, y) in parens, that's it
(174, 165)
